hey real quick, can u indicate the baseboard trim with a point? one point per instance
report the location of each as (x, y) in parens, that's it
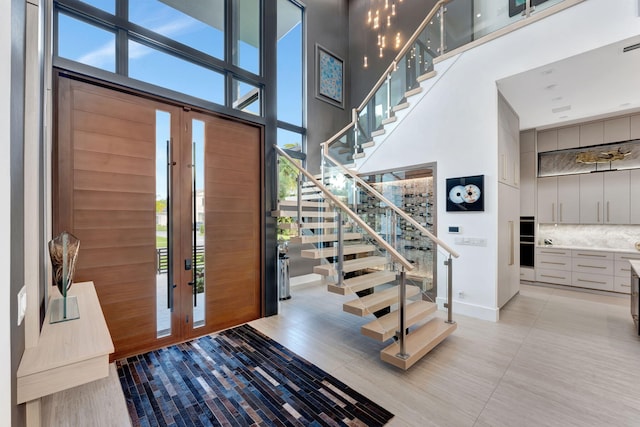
(471, 310)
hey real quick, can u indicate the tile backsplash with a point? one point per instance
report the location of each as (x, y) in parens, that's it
(622, 237)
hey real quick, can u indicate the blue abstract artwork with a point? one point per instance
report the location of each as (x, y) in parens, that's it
(330, 77)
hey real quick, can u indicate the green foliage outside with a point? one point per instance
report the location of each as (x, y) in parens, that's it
(288, 185)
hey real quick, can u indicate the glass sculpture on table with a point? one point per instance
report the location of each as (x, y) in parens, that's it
(63, 251)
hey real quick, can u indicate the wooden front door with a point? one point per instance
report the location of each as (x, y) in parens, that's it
(166, 204)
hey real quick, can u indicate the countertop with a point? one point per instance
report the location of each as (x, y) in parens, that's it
(635, 265)
(590, 248)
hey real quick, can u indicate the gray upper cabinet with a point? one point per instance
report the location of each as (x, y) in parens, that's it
(591, 134)
(547, 140)
(635, 127)
(617, 130)
(569, 137)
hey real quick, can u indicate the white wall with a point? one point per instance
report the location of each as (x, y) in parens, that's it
(5, 190)
(456, 125)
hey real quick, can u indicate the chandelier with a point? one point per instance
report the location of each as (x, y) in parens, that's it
(381, 15)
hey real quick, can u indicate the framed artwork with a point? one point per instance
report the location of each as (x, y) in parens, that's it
(517, 6)
(329, 77)
(465, 194)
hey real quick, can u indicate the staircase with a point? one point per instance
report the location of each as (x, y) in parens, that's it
(356, 262)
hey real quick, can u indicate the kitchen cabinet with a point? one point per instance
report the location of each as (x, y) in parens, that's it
(585, 268)
(568, 137)
(527, 183)
(547, 199)
(634, 196)
(616, 130)
(568, 199)
(591, 134)
(547, 140)
(622, 271)
(508, 246)
(635, 127)
(553, 265)
(559, 199)
(591, 194)
(616, 201)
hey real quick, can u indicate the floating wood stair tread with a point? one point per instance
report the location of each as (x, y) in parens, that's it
(331, 252)
(402, 106)
(389, 120)
(327, 225)
(310, 214)
(325, 238)
(359, 155)
(377, 132)
(366, 281)
(412, 92)
(351, 265)
(366, 145)
(376, 301)
(418, 343)
(426, 76)
(293, 204)
(385, 327)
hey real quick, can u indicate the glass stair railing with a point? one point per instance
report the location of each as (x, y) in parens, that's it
(442, 32)
(367, 255)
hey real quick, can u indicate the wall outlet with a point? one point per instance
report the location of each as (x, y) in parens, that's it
(22, 304)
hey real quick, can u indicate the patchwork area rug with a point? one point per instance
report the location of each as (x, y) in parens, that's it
(238, 377)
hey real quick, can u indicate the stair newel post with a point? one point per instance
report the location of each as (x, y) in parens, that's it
(402, 333)
(389, 94)
(354, 120)
(449, 263)
(340, 243)
(299, 204)
(443, 9)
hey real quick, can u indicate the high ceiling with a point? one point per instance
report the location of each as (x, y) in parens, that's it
(595, 84)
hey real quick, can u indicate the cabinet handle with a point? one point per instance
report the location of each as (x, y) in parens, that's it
(511, 245)
(625, 286)
(553, 253)
(504, 167)
(592, 281)
(560, 212)
(592, 266)
(552, 277)
(598, 212)
(553, 263)
(593, 255)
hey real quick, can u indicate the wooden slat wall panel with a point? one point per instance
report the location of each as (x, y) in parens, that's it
(109, 139)
(232, 218)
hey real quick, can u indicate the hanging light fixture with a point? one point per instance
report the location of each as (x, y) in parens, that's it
(379, 19)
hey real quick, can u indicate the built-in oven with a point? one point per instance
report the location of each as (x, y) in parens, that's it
(635, 297)
(527, 241)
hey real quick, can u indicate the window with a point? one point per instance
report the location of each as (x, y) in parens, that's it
(174, 73)
(96, 47)
(246, 37)
(289, 57)
(196, 23)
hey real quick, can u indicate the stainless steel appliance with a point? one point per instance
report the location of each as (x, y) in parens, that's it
(527, 241)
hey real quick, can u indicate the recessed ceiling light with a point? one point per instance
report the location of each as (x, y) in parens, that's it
(561, 109)
(557, 98)
(478, 15)
(547, 72)
(551, 87)
(563, 117)
(626, 104)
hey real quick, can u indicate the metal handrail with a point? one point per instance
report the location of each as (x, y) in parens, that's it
(392, 67)
(394, 254)
(393, 207)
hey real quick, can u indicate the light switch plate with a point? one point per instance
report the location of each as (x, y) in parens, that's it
(22, 304)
